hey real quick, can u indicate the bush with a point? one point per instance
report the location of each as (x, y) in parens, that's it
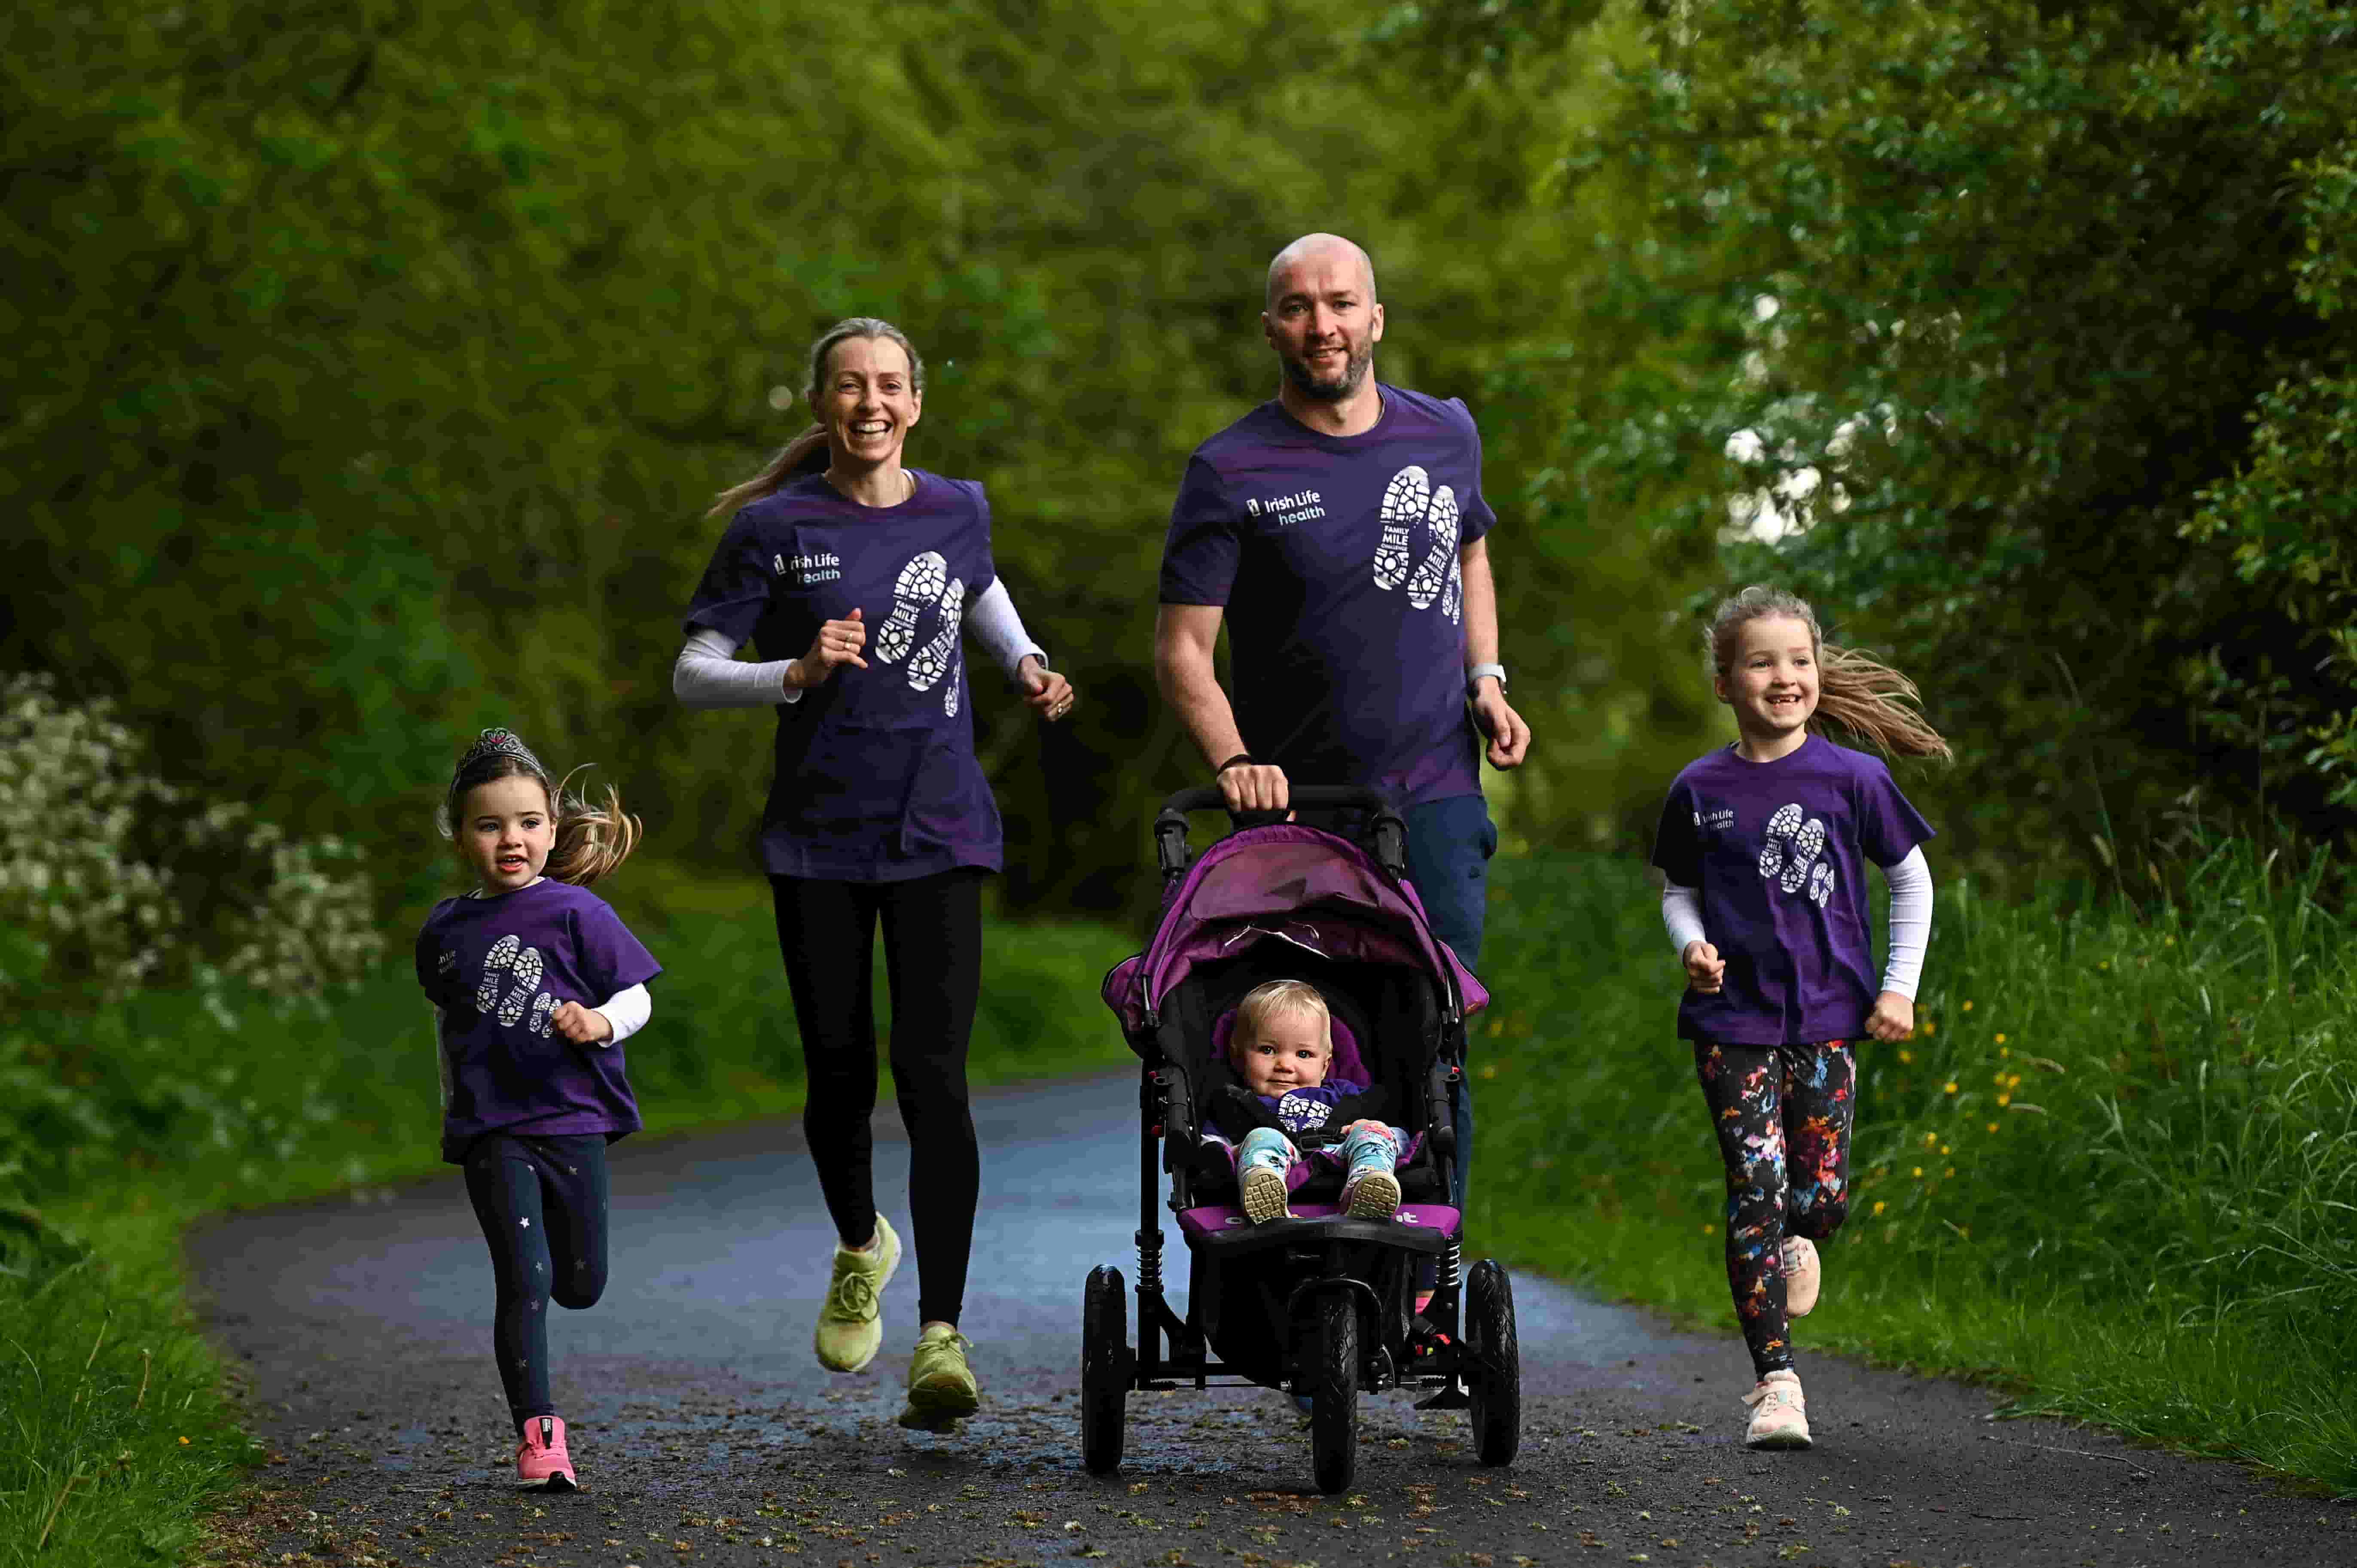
(113, 881)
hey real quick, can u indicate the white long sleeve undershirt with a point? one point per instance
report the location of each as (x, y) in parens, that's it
(1911, 921)
(708, 674)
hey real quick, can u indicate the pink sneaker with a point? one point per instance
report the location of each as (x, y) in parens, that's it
(1779, 1415)
(541, 1458)
(1803, 1274)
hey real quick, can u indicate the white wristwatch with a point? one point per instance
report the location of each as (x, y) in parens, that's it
(1473, 677)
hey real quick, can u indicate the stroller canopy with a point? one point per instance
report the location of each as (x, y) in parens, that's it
(1292, 884)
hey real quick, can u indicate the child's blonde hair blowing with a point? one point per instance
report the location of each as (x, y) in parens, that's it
(1856, 691)
(592, 838)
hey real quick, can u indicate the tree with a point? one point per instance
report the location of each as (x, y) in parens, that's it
(2046, 300)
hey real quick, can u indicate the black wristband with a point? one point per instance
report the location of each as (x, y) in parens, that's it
(1240, 759)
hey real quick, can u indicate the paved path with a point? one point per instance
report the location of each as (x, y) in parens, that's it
(705, 1433)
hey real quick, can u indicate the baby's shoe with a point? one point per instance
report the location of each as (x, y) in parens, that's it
(848, 1331)
(1802, 1273)
(1264, 1194)
(1779, 1417)
(1372, 1194)
(541, 1458)
(942, 1387)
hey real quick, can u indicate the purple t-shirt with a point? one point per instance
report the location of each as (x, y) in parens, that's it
(1778, 851)
(876, 779)
(1309, 1110)
(498, 967)
(1336, 559)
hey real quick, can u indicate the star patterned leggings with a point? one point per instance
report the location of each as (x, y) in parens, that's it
(1783, 1114)
(542, 1205)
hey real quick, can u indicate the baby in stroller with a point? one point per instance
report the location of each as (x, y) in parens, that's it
(1288, 1112)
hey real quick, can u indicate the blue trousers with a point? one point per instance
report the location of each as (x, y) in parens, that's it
(1449, 844)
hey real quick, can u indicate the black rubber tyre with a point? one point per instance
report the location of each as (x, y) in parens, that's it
(1333, 1388)
(1105, 1371)
(1494, 1380)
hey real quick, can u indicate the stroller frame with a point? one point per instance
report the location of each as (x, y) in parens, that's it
(1343, 1338)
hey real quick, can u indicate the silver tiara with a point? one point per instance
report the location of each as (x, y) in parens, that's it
(499, 742)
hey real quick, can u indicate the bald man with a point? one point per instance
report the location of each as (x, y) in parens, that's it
(1339, 533)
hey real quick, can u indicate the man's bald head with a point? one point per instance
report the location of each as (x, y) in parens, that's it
(1319, 254)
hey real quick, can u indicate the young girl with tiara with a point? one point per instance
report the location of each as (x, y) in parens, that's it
(1764, 846)
(535, 983)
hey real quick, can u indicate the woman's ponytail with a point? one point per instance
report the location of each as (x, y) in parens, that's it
(807, 453)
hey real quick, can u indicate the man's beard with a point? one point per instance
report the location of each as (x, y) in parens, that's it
(1355, 365)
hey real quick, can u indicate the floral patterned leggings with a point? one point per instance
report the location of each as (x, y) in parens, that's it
(1783, 1115)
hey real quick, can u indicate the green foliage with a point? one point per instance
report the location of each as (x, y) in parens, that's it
(1975, 315)
(119, 1128)
(374, 366)
(2112, 1169)
(110, 881)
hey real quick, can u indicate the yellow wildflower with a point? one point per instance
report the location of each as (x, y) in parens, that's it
(1992, 1126)
(1879, 1206)
(1918, 1173)
(2004, 1099)
(1931, 1025)
(2000, 1040)
(1907, 1055)
(1968, 1005)
(1944, 1149)
(1949, 1088)
(1710, 1230)
(1951, 1170)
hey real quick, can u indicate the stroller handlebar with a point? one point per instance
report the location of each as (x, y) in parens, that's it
(1385, 832)
(1314, 797)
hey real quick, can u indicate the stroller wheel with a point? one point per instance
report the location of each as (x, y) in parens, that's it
(1105, 1371)
(1332, 1381)
(1494, 1378)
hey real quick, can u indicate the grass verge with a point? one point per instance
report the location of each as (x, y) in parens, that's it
(2113, 1172)
(115, 1434)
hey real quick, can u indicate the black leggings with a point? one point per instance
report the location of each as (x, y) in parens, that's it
(932, 962)
(542, 1204)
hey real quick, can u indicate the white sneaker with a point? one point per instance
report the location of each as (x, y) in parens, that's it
(1779, 1417)
(1803, 1274)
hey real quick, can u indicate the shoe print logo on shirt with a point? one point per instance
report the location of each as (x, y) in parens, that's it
(523, 966)
(925, 585)
(1792, 855)
(1409, 499)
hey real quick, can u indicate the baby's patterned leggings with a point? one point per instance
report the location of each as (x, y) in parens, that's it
(1783, 1116)
(1368, 1147)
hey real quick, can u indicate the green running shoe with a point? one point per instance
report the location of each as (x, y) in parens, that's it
(848, 1332)
(941, 1390)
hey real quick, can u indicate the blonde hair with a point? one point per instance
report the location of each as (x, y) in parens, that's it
(592, 838)
(806, 453)
(1279, 999)
(1856, 691)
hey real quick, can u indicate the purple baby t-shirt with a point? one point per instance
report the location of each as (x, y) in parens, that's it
(1336, 558)
(876, 776)
(1778, 851)
(497, 968)
(1309, 1110)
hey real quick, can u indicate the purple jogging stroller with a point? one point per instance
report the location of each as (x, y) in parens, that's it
(1322, 1306)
